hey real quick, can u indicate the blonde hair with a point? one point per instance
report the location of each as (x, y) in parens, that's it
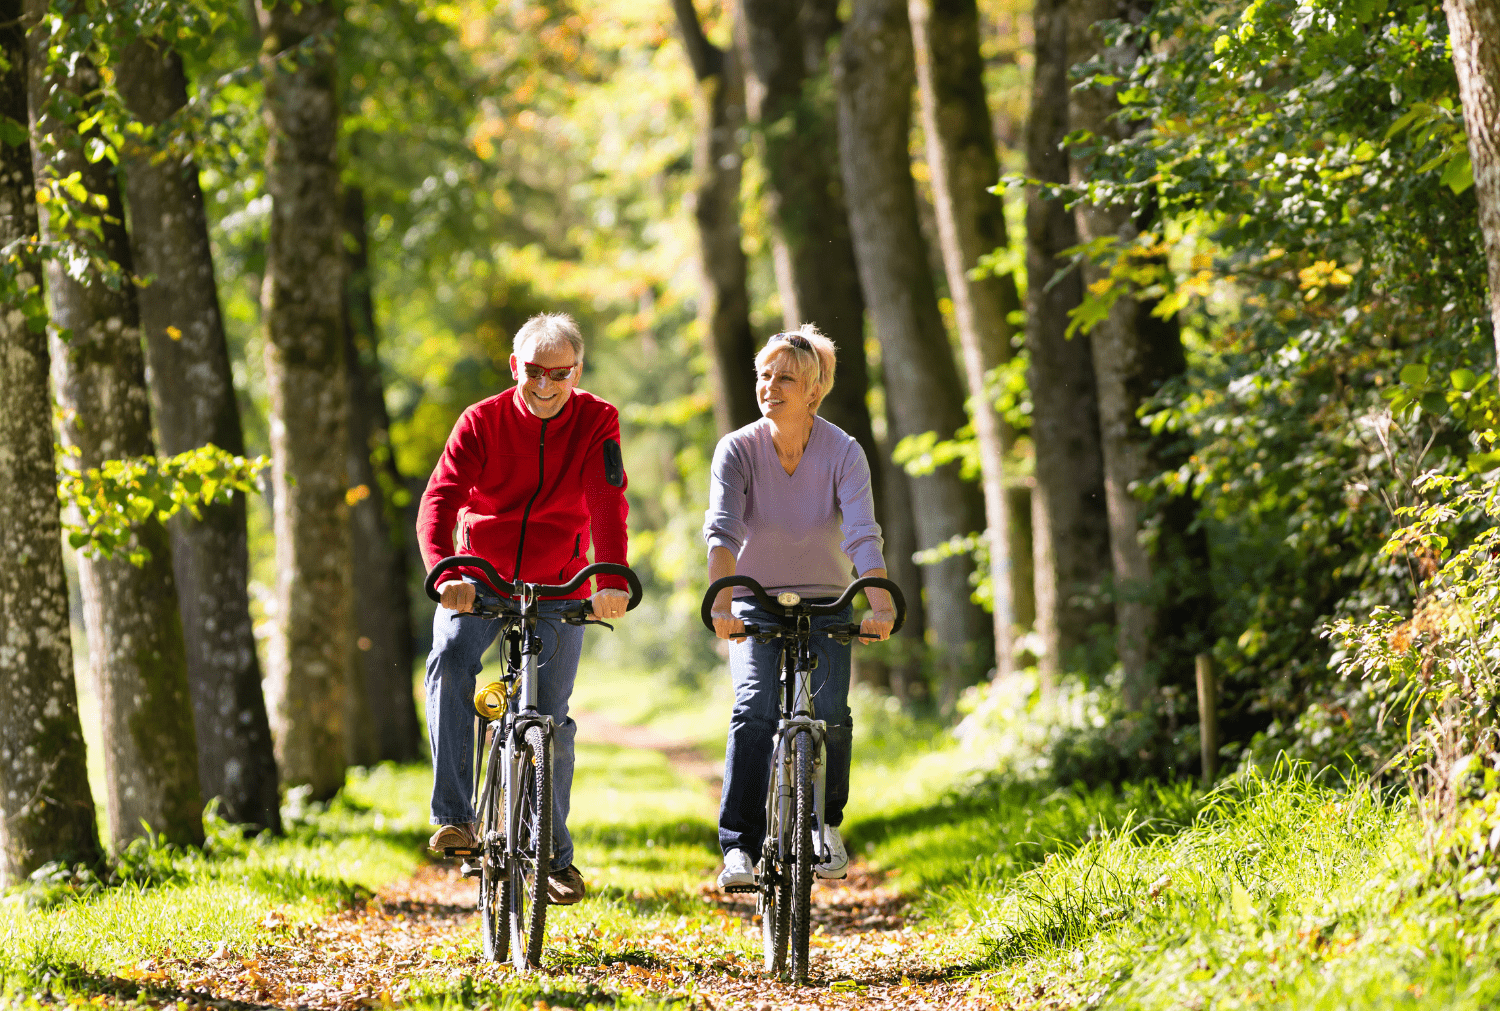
(814, 367)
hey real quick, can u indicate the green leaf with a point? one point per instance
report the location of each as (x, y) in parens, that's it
(1414, 374)
(1463, 379)
(1459, 175)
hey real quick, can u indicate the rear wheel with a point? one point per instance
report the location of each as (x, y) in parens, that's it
(532, 853)
(803, 854)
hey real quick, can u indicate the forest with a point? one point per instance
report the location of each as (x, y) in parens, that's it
(1168, 329)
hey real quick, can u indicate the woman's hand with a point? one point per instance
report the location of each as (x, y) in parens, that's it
(877, 627)
(726, 624)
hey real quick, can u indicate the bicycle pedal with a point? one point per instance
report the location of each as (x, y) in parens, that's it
(741, 889)
(460, 851)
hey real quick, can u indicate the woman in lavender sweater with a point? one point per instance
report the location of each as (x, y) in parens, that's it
(789, 505)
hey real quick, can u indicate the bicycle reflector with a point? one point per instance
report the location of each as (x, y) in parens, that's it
(489, 701)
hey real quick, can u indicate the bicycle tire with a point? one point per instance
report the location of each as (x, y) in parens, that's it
(802, 854)
(494, 890)
(532, 854)
(776, 893)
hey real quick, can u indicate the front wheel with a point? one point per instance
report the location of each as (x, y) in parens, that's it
(530, 801)
(803, 854)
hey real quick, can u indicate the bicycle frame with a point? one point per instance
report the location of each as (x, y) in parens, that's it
(797, 717)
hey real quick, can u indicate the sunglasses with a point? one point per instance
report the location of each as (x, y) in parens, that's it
(796, 340)
(535, 371)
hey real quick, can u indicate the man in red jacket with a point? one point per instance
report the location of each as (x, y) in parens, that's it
(529, 480)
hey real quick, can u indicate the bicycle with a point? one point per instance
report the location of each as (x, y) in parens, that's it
(794, 798)
(513, 801)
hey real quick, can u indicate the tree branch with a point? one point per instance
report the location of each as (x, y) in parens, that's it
(707, 58)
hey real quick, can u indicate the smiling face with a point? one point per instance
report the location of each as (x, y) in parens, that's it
(543, 396)
(780, 390)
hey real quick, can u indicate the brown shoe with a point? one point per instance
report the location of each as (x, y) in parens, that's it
(453, 837)
(565, 887)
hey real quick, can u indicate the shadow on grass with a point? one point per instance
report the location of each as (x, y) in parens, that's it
(692, 832)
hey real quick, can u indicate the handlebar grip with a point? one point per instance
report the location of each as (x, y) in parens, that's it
(859, 584)
(500, 586)
(761, 597)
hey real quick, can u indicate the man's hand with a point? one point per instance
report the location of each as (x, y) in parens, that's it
(609, 604)
(458, 596)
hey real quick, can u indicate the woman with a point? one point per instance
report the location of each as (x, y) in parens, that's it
(789, 505)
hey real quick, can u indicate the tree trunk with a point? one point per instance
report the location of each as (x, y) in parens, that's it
(192, 396)
(797, 141)
(136, 652)
(302, 300)
(724, 312)
(46, 807)
(796, 132)
(971, 222)
(1070, 525)
(1134, 354)
(875, 78)
(1474, 31)
(381, 594)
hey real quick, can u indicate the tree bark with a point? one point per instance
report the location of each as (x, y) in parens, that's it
(192, 396)
(875, 74)
(382, 594)
(1161, 602)
(302, 300)
(46, 807)
(971, 222)
(136, 652)
(1070, 525)
(1474, 31)
(724, 309)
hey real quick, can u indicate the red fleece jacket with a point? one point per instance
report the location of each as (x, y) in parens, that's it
(529, 494)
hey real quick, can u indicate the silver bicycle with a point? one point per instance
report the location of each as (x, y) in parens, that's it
(513, 763)
(794, 799)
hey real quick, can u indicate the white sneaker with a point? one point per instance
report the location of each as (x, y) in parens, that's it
(837, 864)
(738, 874)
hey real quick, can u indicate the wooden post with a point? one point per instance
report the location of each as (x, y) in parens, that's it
(1208, 716)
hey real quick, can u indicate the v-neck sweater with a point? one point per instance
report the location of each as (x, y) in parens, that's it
(799, 531)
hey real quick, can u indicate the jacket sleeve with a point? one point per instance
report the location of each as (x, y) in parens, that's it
(607, 506)
(449, 489)
(862, 539)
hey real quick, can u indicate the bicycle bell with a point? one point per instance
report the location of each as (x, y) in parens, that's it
(786, 598)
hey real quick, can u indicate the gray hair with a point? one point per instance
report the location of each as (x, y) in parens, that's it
(549, 329)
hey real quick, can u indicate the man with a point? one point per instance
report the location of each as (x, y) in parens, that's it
(528, 481)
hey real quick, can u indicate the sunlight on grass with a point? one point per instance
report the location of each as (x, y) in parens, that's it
(192, 902)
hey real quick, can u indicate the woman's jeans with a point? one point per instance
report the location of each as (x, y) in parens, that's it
(755, 669)
(458, 641)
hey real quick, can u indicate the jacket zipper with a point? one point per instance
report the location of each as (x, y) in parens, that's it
(577, 543)
(541, 474)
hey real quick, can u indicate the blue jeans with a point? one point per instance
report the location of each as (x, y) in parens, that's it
(754, 669)
(458, 642)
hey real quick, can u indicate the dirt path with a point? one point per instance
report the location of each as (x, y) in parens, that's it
(687, 758)
(415, 938)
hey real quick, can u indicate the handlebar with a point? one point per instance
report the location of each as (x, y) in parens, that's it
(766, 601)
(505, 588)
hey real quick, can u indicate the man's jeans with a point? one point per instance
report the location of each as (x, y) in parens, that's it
(754, 668)
(458, 641)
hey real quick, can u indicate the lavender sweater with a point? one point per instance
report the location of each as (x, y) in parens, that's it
(794, 531)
